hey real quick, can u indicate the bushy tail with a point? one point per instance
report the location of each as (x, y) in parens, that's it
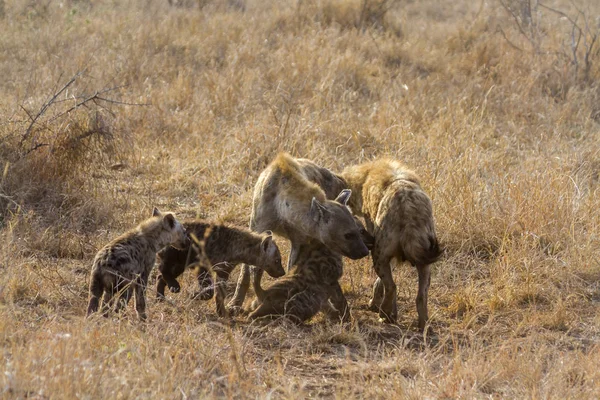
(96, 290)
(434, 251)
(423, 252)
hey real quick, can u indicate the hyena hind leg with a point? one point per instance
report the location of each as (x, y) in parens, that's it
(377, 299)
(96, 291)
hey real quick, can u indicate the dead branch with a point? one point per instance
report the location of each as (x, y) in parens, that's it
(48, 104)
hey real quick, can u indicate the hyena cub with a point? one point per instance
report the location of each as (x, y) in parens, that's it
(124, 264)
(222, 248)
(312, 286)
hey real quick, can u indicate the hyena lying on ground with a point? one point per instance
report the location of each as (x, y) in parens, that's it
(312, 286)
(286, 202)
(222, 248)
(399, 214)
(124, 264)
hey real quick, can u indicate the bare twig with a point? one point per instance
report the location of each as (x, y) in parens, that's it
(519, 25)
(47, 104)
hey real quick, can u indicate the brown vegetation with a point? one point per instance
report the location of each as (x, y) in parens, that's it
(181, 104)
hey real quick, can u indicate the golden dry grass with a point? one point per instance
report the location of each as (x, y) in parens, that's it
(501, 126)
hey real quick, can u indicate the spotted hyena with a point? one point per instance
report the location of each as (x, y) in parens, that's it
(219, 248)
(286, 202)
(312, 286)
(124, 264)
(399, 214)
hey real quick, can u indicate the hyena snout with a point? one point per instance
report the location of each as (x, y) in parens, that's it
(271, 257)
(357, 251)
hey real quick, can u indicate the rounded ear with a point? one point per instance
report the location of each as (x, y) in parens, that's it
(344, 196)
(269, 233)
(317, 210)
(156, 212)
(169, 220)
(266, 242)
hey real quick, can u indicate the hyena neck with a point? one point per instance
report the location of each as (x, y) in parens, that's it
(315, 258)
(154, 233)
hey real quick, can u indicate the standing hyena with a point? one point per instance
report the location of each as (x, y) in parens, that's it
(221, 248)
(125, 263)
(286, 202)
(312, 286)
(399, 214)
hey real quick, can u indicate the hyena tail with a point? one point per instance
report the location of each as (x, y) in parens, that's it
(433, 252)
(423, 251)
(96, 290)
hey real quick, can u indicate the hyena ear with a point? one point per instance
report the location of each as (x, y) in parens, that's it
(266, 242)
(344, 196)
(169, 220)
(318, 211)
(156, 212)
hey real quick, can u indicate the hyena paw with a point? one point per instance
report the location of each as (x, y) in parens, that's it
(373, 306)
(174, 288)
(234, 309)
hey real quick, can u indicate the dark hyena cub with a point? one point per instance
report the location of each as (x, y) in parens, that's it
(222, 248)
(124, 264)
(312, 286)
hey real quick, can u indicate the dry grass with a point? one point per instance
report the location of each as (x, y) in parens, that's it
(503, 131)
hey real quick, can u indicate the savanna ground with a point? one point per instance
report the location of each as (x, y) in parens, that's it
(109, 108)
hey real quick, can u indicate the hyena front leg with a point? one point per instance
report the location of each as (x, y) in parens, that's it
(424, 281)
(221, 293)
(235, 304)
(338, 309)
(163, 281)
(140, 297)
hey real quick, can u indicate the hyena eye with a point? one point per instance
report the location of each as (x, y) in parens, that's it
(350, 236)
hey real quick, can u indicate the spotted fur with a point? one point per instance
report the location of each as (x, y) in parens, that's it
(288, 203)
(124, 265)
(220, 248)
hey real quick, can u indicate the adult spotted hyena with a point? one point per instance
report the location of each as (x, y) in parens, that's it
(286, 202)
(124, 264)
(399, 214)
(312, 286)
(220, 248)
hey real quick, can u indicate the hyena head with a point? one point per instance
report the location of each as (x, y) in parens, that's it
(367, 238)
(336, 226)
(269, 258)
(177, 235)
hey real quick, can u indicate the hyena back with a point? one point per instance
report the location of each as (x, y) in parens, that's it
(288, 203)
(124, 264)
(219, 248)
(399, 214)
